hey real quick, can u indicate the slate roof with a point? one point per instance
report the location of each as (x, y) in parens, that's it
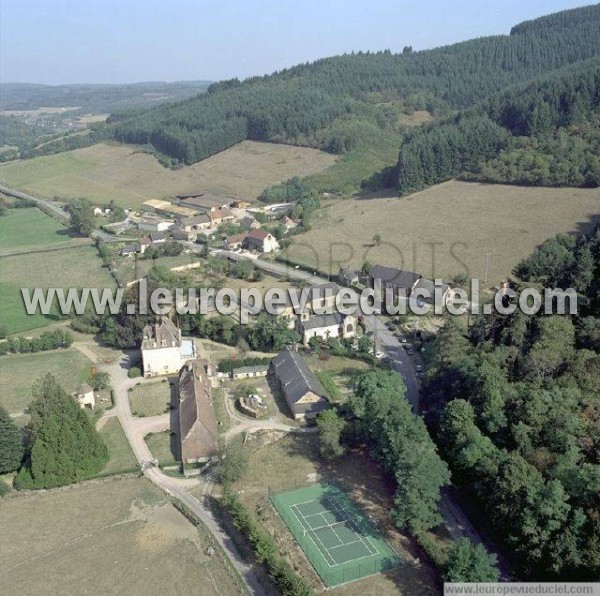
(320, 321)
(296, 381)
(156, 236)
(396, 277)
(201, 218)
(197, 419)
(129, 249)
(161, 335)
(429, 286)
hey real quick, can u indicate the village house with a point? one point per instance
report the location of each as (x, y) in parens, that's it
(301, 389)
(181, 234)
(219, 216)
(129, 250)
(261, 241)
(288, 223)
(85, 396)
(197, 420)
(163, 348)
(324, 327)
(241, 204)
(157, 237)
(249, 223)
(143, 244)
(234, 242)
(201, 221)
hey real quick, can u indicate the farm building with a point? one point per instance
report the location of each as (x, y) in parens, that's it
(249, 372)
(261, 241)
(180, 233)
(202, 201)
(196, 222)
(302, 390)
(164, 350)
(234, 242)
(129, 250)
(168, 209)
(249, 223)
(241, 204)
(429, 295)
(154, 224)
(143, 244)
(219, 216)
(157, 237)
(197, 419)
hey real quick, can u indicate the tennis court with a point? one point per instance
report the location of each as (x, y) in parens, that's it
(338, 539)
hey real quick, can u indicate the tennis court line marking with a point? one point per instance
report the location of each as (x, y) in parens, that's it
(324, 550)
(368, 546)
(313, 541)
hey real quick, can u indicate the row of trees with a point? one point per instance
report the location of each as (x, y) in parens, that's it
(334, 102)
(49, 340)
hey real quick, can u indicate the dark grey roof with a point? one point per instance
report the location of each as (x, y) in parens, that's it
(326, 320)
(154, 236)
(429, 286)
(295, 377)
(128, 249)
(201, 218)
(395, 277)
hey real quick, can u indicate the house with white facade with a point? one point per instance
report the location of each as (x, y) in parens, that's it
(164, 351)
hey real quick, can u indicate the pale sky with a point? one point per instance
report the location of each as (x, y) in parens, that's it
(120, 41)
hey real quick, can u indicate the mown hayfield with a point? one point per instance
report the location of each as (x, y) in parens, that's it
(72, 267)
(30, 227)
(19, 371)
(108, 171)
(445, 230)
(112, 536)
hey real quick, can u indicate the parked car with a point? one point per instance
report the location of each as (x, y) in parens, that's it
(409, 348)
(379, 355)
(419, 367)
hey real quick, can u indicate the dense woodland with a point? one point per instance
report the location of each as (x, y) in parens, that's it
(544, 133)
(335, 103)
(515, 405)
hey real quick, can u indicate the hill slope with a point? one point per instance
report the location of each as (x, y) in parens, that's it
(334, 103)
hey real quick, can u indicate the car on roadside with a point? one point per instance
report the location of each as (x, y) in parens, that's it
(379, 355)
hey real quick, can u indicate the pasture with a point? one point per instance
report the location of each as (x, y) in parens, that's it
(109, 171)
(121, 455)
(19, 371)
(110, 536)
(30, 227)
(150, 399)
(76, 267)
(455, 227)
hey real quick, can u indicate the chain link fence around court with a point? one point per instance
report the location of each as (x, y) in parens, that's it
(343, 573)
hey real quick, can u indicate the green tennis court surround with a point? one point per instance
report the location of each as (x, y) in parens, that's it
(337, 538)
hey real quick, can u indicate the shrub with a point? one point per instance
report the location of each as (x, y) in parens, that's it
(134, 372)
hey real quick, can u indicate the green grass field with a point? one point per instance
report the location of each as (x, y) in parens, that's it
(19, 371)
(30, 227)
(150, 399)
(337, 538)
(73, 267)
(121, 455)
(162, 447)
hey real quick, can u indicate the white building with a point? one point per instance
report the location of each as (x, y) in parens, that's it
(164, 351)
(85, 397)
(327, 326)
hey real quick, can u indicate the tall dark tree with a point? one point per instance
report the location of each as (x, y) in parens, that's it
(11, 443)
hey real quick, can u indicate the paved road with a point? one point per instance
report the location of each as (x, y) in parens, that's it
(176, 487)
(455, 519)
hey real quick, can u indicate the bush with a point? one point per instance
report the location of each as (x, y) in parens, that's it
(280, 571)
(134, 372)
